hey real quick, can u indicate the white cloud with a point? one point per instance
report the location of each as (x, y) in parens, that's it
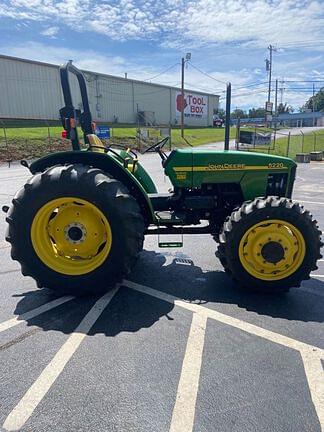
(89, 60)
(243, 25)
(50, 31)
(85, 59)
(178, 23)
(256, 22)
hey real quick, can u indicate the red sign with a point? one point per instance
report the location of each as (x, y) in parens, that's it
(194, 105)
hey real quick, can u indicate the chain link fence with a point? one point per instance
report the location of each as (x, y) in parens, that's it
(31, 139)
(283, 142)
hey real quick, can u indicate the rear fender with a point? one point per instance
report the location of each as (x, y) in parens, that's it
(106, 163)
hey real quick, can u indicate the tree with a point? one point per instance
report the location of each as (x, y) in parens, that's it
(238, 113)
(284, 108)
(316, 102)
(257, 112)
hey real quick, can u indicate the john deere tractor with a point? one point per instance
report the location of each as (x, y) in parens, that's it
(79, 223)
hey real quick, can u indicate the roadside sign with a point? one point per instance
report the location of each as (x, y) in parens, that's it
(195, 105)
(164, 132)
(103, 131)
(268, 117)
(247, 137)
(269, 106)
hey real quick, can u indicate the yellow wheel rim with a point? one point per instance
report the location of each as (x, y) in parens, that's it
(272, 250)
(71, 236)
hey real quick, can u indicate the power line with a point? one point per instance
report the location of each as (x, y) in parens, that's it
(204, 89)
(249, 94)
(304, 81)
(254, 91)
(259, 91)
(252, 85)
(205, 73)
(162, 72)
(298, 90)
(298, 44)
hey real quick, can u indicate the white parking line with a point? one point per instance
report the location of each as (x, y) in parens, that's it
(184, 410)
(4, 273)
(311, 355)
(33, 313)
(4, 245)
(314, 373)
(310, 202)
(226, 319)
(26, 406)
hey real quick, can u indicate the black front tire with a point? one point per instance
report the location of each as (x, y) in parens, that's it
(91, 184)
(261, 209)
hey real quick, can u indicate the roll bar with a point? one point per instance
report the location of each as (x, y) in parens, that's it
(70, 116)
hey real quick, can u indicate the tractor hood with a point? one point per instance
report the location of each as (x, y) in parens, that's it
(192, 167)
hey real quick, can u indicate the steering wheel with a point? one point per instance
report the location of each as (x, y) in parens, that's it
(158, 147)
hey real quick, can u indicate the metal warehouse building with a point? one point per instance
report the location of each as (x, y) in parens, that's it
(31, 90)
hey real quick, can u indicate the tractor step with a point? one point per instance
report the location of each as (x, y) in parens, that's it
(169, 218)
(170, 244)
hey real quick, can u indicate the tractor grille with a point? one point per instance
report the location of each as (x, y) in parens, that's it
(277, 184)
(291, 181)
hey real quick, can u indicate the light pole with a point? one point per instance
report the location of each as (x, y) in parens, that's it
(270, 71)
(271, 48)
(183, 62)
(228, 116)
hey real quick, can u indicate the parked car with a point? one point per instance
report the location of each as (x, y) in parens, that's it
(217, 121)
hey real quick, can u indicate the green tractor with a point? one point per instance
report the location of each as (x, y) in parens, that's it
(79, 223)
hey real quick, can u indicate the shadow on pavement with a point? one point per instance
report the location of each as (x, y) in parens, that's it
(130, 311)
(190, 283)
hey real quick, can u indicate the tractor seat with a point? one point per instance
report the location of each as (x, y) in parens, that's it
(95, 144)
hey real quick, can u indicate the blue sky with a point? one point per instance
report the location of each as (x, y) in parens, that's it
(227, 39)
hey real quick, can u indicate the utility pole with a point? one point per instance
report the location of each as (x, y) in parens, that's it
(276, 98)
(182, 96)
(270, 48)
(183, 62)
(313, 104)
(282, 82)
(228, 116)
(276, 104)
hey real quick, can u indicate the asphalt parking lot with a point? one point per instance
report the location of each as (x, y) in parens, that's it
(174, 348)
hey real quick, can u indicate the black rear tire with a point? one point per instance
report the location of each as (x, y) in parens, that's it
(259, 210)
(97, 187)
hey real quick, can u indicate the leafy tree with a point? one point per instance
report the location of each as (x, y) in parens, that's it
(316, 101)
(257, 112)
(284, 108)
(238, 113)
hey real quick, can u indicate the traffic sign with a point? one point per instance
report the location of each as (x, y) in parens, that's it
(103, 131)
(269, 106)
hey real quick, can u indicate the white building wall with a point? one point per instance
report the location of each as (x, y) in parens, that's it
(31, 90)
(28, 90)
(155, 99)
